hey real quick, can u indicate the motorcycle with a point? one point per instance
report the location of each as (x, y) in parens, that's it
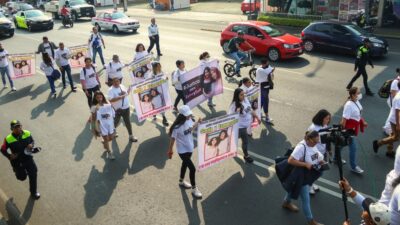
(67, 20)
(360, 20)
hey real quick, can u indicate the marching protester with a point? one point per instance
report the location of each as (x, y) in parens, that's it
(204, 60)
(394, 88)
(118, 96)
(176, 82)
(394, 119)
(156, 99)
(180, 133)
(96, 42)
(352, 119)
(154, 37)
(363, 57)
(140, 52)
(114, 70)
(47, 66)
(21, 144)
(245, 84)
(265, 77)
(4, 70)
(62, 56)
(103, 116)
(47, 46)
(241, 105)
(89, 80)
(390, 177)
(305, 155)
(236, 52)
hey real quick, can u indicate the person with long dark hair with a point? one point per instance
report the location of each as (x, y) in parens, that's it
(155, 95)
(176, 82)
(181, 134)
(245, 84)
(47, 66)
(241, 105)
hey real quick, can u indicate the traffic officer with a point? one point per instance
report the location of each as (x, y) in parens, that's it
(363, 56)
(21, 143)
(154, 37)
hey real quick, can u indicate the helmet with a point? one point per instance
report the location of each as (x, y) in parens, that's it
(240, 32)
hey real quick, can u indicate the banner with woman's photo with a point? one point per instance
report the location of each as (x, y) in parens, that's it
(151, 97)
(201, 83)
(141, 69)
(78, 55)
(254, 97)
(217, 140)
(22, 65)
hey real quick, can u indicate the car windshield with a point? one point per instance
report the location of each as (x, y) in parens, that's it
(355, 29)
(118, 15)
(33, 13)
(2, 15)
(77, 2)
(26, 6)
(272, 31)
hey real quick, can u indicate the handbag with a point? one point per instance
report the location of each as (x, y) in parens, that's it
(282, 167)
(271, 83)
(55, 75)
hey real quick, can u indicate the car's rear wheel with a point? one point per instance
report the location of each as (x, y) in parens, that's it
(11, 34)
(97, 26)
(29, 28)
(134, 31)
(273, 54)
(115, 29)
(225, 47)
(229, 70)
(308, 46)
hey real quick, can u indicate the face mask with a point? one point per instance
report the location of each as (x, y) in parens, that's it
(359, 97)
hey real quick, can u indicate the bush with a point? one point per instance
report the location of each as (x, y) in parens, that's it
(293, 22)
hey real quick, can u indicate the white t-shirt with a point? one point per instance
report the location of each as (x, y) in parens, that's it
(321, 147)
(262, 74)
(3, 61)
(176, 79)
(62, 56)
(183, 137)
(388, 190)
(246, 89)
(47, 48)
(394, 86)
(112, 71)
(313, 156)
(97, 36)
(48, 70)
(153, 30)
(394, 206)
(245, 118)
(395, 106)
(140, 55)
(352, 110)
(90, 78)
(115, 92)
(105, 114)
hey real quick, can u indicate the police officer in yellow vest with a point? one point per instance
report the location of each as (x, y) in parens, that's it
(21, 143)
(363, 57)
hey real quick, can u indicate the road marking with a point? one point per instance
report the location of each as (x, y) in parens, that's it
(394, 53)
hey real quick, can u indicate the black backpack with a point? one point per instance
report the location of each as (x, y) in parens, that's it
(384, 91)
(84, 70)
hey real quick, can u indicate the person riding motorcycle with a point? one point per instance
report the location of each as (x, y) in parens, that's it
(64, 12)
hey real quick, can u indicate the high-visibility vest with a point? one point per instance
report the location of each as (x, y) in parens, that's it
(11, 139)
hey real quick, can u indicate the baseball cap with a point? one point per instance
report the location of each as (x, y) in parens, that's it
(14, 124)
(185, 110)
(378, 212)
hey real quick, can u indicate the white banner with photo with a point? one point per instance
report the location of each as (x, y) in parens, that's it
(151, 97)
(78, 55)
(22, 65)
(141, 69)
(254, 97)
(217, 140)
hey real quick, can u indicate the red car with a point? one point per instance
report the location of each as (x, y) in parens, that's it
(265, 38)
(245, 6)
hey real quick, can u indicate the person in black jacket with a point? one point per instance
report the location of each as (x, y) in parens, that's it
(47, 46)
(21, 143)
(363, 57)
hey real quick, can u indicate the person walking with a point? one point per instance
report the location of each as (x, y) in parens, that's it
(363, 57)
(154, 37)
(4, 70)
(176, 82)
(89, 80)
(204, 61)
(21, 144)
(240, 104)
(47, 66)
(47, 46)
(181, 134)
(62, 56)
(114, 70)
(140, 52)
(245, 84)
(264, 77)
(96, 43)
(236, 52)
(352, 119)
(118, 96)
(394, 89)
(155, 96)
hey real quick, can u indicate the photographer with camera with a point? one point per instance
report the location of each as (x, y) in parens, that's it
(352, 119)
(307, 162)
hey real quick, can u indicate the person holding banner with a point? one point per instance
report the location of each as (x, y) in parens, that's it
(264, 77)
(204, 60)
(181, 134)
(180, 64)
(4, 70)
(47, 66)
(47, 46)
(245, 84)
(62, 56)
(89, 80)
(140, 52)
(114, 70)
(96, 42)
(241, 105)
(156, 98)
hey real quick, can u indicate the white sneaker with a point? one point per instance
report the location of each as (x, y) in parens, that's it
(358, 170)
(269, 120)
(312, 191)
(13, 89)
(196, 193)
(315, 187)
(185, 184)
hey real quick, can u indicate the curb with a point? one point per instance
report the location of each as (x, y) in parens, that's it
(10, 211)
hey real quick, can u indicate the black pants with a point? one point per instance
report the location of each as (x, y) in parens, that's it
(90, 97)
(245, 140)
(363, 72)
(26, 168)
(179, 97)
(187, 162)
(154, 40)
(124, 113)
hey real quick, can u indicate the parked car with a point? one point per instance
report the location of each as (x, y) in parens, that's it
(250, 6)
(265, 38)
(340, 37)
(78, 9)
(33, 20)
(6, 27)
(115, 21)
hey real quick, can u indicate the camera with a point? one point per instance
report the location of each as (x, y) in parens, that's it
(336, 135)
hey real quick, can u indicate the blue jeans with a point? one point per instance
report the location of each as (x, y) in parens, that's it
(265, 99)
(67, 68)
(352, 152)
(95, 51)
(238, 56)
(51, 82)
(4, 71)
(305, 201)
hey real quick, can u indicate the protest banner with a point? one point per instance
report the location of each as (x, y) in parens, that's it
(151, 97)
(78, 55)
(254, 97)
(22, 65)
(141, 69)
(201, 83)
(217, 140)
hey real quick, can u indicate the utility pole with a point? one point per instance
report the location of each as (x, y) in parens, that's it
(125, 5)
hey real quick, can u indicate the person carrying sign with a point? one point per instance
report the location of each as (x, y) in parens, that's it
(4, 70)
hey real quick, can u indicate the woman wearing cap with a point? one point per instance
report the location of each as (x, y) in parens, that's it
(241, 105)
(181, 133)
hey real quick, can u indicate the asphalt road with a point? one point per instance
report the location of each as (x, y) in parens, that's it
(79, 186)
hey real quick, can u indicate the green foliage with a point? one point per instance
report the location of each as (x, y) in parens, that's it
(293, 22)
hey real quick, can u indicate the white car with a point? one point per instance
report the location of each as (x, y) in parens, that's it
(115, 21)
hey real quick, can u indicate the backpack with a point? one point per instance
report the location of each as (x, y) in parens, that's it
(96, 41)
(84, 70)
(384, 91)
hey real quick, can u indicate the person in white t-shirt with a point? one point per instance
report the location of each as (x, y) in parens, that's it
(241, 105)
(204, 61)
(47, 66)
(47, 46)
(181, 133)
(394, 88)
(176, 82)
(89, 80)
(394, 205)
(264, 77)
(96, 43)
(245, 84)
(390, 177)
(4, 70)
(114, 70)
(140, 52)
(62, 56)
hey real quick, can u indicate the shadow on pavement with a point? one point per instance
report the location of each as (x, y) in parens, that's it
(192, 210)
(82, 142)
(50, 105)
(15, 216)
